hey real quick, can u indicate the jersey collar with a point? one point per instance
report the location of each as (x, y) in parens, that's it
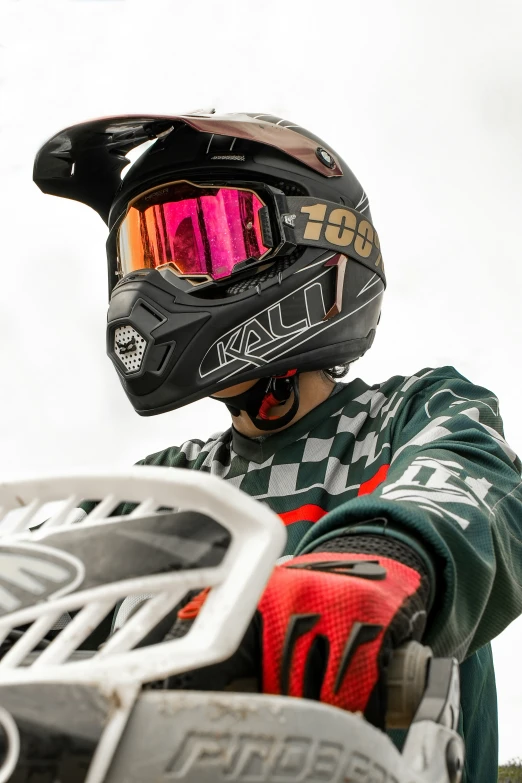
(260, 449)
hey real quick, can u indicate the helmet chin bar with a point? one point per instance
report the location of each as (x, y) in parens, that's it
(265, 394)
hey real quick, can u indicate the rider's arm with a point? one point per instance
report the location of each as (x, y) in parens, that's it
(452, 492)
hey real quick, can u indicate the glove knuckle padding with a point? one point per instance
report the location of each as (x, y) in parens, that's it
(327, 595)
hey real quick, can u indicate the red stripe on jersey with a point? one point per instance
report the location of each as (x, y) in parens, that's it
(368, 486)
(307, 513)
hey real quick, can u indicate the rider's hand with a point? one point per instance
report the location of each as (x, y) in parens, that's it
(330, 619)
(326, 625)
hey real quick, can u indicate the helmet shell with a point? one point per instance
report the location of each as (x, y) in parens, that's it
(172, 343)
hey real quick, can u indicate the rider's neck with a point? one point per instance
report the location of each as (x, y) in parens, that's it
(314, 388)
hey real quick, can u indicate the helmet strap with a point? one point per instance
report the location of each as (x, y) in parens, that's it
(265, 394)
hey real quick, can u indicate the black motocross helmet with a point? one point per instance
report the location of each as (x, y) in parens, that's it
(311, 301)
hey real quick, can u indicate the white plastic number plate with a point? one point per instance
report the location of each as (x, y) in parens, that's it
(258, 538)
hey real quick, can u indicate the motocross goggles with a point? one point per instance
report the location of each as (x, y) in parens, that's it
(204, 233)
(201, 232)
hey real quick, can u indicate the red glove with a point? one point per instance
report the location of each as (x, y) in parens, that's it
(330, 620)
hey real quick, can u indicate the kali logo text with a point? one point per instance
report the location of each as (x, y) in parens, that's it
(257, 340)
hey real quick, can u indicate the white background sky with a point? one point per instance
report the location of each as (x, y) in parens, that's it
(422, 99)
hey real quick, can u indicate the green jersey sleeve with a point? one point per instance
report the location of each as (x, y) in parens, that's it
(453, 491)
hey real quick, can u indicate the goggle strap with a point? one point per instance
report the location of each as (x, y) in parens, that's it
(330, 226)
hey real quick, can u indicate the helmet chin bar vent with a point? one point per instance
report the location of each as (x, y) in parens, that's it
(129, 347)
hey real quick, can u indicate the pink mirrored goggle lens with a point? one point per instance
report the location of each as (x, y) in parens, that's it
(200, 231)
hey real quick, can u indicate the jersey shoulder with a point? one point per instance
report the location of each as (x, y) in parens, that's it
(445, 385)
(380, 398)
(192, 454)
(422, 379)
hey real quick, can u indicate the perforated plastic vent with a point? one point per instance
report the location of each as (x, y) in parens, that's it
(129, 347)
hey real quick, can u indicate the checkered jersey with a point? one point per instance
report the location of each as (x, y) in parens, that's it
(342, 450)
(336, 452)
(420, 458)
